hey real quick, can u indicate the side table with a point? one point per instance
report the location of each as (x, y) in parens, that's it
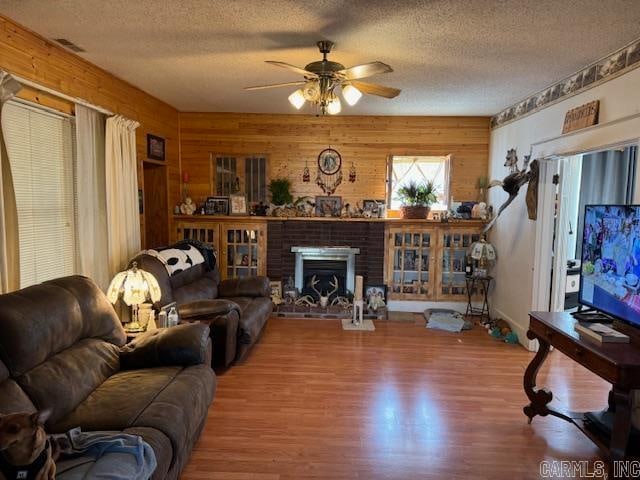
(472, 284)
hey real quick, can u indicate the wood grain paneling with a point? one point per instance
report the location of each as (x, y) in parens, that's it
(290, 141)
(31, 56)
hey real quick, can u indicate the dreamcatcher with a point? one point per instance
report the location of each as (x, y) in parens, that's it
(329, 170)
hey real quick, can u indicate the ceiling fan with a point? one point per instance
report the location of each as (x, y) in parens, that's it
(322, 78)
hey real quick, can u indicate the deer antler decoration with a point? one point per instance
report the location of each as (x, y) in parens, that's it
(334, 285)
(312, 285)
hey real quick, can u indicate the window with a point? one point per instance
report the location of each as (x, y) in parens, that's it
(231, 174)
(255, 179)
(41, 152)
(403, 169)
(225, 175)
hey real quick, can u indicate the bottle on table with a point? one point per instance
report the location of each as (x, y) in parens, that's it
(172, 317)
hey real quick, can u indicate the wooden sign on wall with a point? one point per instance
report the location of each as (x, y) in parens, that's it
(581, 117)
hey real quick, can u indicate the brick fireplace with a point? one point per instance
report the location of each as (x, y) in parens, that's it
(367, 237)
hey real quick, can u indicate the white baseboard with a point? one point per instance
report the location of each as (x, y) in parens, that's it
(519, 329)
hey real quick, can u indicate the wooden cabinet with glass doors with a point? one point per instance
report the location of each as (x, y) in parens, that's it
(240, 247)
(427, 261)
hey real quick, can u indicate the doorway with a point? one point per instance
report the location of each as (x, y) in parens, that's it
(155, 210)
(606, 177)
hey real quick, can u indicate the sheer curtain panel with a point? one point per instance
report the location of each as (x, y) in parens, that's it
(9, 248)
(123, 220)
(91, 196)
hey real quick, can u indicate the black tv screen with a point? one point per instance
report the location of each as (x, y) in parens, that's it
(610, 280)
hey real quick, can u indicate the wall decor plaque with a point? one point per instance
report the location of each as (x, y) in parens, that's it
(581, 117)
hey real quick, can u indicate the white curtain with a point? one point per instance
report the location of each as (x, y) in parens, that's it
(123, 220)
(9, 247)
(91, 196)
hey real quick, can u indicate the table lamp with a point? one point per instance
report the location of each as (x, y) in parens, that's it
(135, 286)
(485, 254)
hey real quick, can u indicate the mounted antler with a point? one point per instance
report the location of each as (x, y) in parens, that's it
(312, 285)
(334, 285)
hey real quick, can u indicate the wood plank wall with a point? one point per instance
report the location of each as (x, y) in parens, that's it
(292, 140)
(31, 56)
(289, 140)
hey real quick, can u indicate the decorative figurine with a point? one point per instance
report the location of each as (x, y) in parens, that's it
(188, 207)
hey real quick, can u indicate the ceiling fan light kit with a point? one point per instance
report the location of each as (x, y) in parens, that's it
(323, 78)
(351, 94)
(297, 99)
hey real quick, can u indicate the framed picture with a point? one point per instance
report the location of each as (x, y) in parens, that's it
(328, 206)
(216, 206)
(238, 204)
(155, 147)
(375, 296)
(376, 207)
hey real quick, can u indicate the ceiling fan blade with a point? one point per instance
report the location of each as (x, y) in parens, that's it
(364, 70)
(275, 85)
(375, 89)
(299, 70)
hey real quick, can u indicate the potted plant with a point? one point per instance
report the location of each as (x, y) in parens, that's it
(280, 191)
(417, 199)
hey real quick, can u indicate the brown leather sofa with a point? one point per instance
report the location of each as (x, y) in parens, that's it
(62, 347)
(236, 310)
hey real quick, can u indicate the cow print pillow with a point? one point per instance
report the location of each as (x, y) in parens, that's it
(180, 258)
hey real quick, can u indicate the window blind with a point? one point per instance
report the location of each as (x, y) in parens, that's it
(41, 148)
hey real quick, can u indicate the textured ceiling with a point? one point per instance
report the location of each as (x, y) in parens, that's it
(455, 57)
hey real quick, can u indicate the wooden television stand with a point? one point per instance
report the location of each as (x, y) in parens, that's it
(617, 363)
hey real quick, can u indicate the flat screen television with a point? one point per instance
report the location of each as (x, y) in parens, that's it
(610, 276)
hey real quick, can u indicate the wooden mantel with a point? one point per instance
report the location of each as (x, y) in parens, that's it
(253, 218)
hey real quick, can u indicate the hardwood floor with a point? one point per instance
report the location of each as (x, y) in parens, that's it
(316, 402)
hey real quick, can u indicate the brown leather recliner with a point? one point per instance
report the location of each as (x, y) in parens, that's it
(236, 310)
(61, 348)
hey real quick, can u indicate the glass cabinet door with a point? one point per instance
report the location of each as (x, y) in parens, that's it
(455, 246)
(242, 252)
(410, 275)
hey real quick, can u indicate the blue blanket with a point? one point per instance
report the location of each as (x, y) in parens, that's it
(103, 455)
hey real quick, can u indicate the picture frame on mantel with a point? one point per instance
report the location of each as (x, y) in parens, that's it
(328, 206)
(155, 148)
(216, 206)
(238, 204)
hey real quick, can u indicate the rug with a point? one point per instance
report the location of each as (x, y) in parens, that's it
(448, 320)
(365, 326)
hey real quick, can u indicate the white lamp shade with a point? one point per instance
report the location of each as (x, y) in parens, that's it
(483, 250)
(334, 106)
(297, 99)
(351, 94)
(135, 286)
